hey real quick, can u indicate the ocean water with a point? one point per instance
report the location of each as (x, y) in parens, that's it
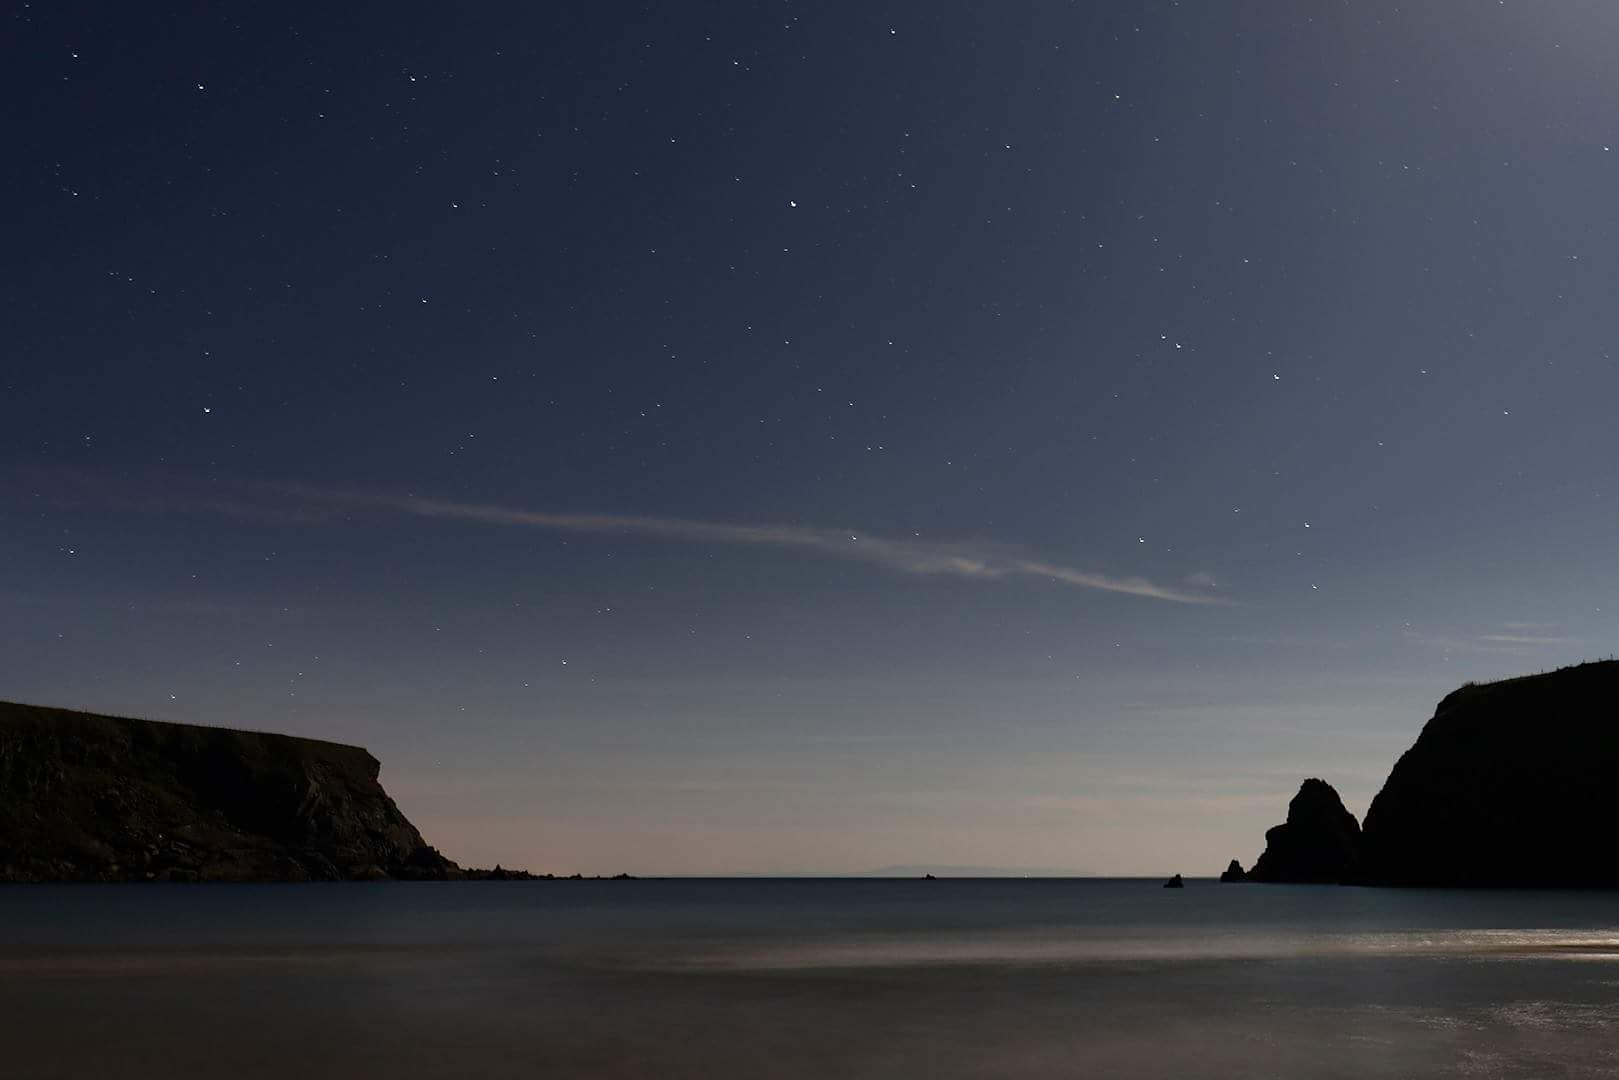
(805, 978)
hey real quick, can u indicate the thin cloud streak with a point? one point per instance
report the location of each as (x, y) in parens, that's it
(307, 505)
(1488, 643)
(914, 557)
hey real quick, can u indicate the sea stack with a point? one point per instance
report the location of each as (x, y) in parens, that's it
(1509, 784)
(1319, 844)
(1233, 873)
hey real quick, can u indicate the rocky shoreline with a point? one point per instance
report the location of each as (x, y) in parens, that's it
(1508, 785)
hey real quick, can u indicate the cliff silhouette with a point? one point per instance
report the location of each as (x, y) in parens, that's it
(1510, 784)
(85, 797)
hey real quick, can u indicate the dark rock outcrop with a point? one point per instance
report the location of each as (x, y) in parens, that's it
(1175, 882)
(1233, 873)
(85, 797)
(1510, 784)
(1319, 844)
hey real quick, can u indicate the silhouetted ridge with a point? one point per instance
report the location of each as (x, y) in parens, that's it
(1511, 783)
(1319, 844)
(85, 797)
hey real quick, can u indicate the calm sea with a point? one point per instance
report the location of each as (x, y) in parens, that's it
(805, 978)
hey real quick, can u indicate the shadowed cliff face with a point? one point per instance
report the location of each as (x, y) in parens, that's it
(100, 798)
(1510, 784)
(1319, 843)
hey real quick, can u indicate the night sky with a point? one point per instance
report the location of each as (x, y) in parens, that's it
(758, 437)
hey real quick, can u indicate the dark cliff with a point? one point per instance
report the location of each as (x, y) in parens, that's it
(85, 797)
(1510, 784)
(1319, 844)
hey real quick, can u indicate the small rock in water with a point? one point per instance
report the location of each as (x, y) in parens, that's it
(1175, 883)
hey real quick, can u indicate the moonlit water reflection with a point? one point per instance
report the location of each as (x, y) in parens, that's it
(807, 979)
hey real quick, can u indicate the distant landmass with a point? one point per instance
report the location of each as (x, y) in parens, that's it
(85, 797)
(1510, 784)
(948, 870)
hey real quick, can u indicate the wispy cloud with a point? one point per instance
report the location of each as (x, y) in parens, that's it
(909, 556)
(309, 505)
